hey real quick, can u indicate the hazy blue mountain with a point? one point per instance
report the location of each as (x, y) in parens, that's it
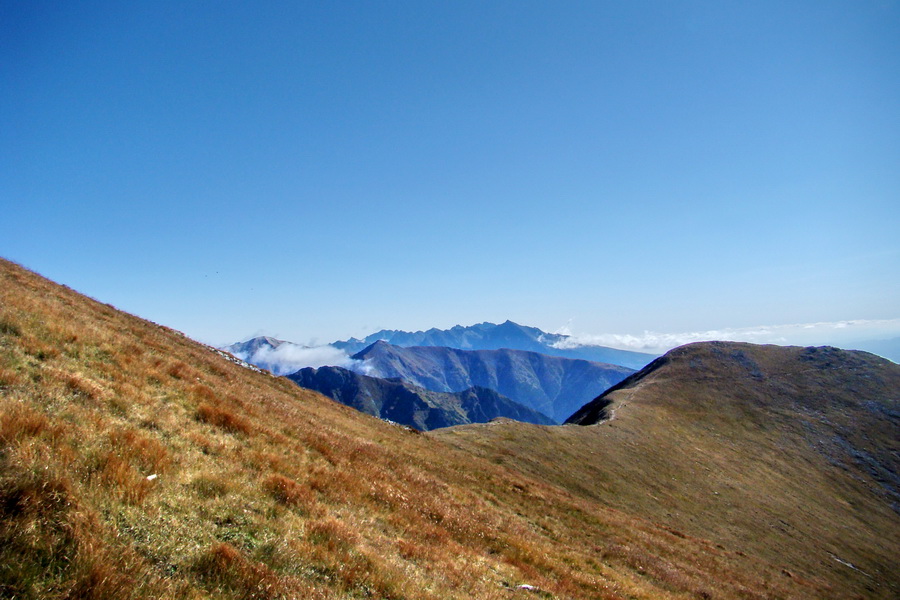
(483, 336)
(552, 385)
(489, 336)
(407, 404)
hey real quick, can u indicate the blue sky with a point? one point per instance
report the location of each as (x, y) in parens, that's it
(320, 170)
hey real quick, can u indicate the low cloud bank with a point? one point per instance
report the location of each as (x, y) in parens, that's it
(288, 358)
(836, 333)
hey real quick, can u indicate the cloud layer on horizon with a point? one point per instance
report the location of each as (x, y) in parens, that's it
(836, 333)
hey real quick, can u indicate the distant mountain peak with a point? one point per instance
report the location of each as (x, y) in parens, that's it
(376, 346)
(491, 336)
(249, 347)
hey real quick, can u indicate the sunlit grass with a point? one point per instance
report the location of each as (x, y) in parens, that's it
(135, 463)
(762, 470)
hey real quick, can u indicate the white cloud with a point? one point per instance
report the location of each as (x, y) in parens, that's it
(289, 357)
(836, 333)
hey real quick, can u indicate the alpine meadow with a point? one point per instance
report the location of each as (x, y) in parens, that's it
(137, 463)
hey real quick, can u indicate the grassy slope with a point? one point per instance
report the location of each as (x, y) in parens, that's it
(773, 452)
(265, 490)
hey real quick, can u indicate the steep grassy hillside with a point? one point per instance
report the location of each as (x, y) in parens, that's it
(404, 403)
(787, 454)
(135, 463)
(554, 386)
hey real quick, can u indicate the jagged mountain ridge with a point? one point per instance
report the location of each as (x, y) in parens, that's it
(482, 336)
(788, 453)
(554, 386)
(490, 336)
(403, 403)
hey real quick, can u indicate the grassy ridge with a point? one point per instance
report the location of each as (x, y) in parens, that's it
(135, 463)
(788, 454)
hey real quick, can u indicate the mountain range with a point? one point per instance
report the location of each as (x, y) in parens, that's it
(554, 386)
(490, 336)
(401, 402)
(136, 463)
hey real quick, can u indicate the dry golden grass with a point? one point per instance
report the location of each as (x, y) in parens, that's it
(135, 463)
(762, 470)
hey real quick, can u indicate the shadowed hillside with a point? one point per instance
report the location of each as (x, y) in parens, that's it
(135, 463)
(554, 386)
(790, 454)
(407, 404)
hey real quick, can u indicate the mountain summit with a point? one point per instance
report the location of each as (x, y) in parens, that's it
(243, 350)
(786, 453)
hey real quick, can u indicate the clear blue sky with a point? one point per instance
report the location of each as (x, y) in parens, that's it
(316, 170)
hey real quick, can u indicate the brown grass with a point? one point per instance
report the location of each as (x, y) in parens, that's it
(222, 417)
(225, 569)
(265, 490)
(289, 492)
(754, 469)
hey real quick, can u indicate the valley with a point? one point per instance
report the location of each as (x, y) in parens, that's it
(401, 402)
